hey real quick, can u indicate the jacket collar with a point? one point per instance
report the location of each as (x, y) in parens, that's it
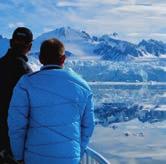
(16, 54)
(51, 66)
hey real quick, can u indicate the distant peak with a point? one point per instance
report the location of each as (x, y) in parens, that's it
(143, 41)
(115, 34)
(155, 41)
(150, 41)
(67, 34)
(64, 28)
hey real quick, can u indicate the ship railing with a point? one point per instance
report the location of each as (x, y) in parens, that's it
(93, 157)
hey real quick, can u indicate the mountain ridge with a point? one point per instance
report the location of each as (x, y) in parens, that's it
(107, 47)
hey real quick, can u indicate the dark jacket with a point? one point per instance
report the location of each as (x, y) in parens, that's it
(12, 66)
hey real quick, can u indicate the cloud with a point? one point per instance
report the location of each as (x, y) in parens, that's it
(15, 25)
(85, 3)
(136, 37)
(48, 28)
(126, 17)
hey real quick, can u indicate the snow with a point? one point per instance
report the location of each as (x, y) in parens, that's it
(112, 71)
(81, 44)
(78, 42)
(129, 92)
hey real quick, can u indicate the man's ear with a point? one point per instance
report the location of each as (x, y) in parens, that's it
(30, 46)
(41, 59)
(62, 59)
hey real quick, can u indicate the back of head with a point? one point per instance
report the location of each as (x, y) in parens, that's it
(52, 52)
(21, 39)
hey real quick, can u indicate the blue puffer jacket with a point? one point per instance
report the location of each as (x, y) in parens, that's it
(51, 117)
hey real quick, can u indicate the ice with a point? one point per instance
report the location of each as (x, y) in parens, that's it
(132, 71)
(129, 89)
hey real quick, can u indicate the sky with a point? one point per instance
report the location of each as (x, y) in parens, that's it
(133, 20)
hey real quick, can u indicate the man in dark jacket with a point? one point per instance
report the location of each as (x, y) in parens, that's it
(12, 66)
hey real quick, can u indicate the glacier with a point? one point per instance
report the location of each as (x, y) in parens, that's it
(107, 47)
(129, 85)
(133, 71)
(123, 91)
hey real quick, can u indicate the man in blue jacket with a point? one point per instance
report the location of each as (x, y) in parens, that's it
(51, 115)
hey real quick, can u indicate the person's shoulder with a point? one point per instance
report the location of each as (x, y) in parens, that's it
(4, 59)
(22, 82)
(20, 61)
(1, 60)
(79, 79)
(26, 78)
(22, 65)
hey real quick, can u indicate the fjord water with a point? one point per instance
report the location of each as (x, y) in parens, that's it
(131, 113)
(130, 108)
(131, 118)
(131, 124)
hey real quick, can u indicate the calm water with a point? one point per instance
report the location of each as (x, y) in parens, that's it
(130, 110)
(130, 122)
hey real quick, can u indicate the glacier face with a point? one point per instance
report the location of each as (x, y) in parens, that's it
(135, 71)
(113, 71)
(123, 91)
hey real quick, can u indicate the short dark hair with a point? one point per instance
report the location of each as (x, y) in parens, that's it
(21, 40)
(22, 34)
(50, 51)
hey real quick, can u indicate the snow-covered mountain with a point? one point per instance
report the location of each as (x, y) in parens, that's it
(81, 44)
(154, 47)
(114, 49)
(75, 41)
(111, 49)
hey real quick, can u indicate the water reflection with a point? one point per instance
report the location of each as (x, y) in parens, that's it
(121, 103)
